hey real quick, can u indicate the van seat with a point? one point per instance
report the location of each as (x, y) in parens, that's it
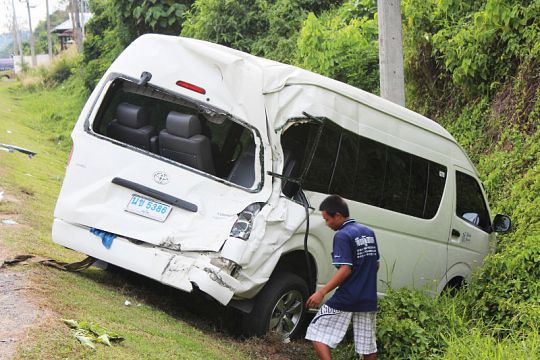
(181, 141)
(131, 127)
(243, 171)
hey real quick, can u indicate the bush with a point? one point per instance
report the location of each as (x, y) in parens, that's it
(62, 68)
(411, 324)
(341, 46)
(506, 292)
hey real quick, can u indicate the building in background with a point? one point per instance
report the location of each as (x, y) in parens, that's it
(65, 30)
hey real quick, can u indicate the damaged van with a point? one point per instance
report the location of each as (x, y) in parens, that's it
(203, 168)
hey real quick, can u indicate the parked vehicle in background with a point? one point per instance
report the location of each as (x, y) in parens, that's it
(202, 167)
(7, 69)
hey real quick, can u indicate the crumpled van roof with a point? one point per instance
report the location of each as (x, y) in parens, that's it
(255, 76)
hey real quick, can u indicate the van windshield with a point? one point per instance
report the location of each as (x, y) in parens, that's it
(179, 130)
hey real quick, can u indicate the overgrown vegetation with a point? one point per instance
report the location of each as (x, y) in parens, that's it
(471, 66)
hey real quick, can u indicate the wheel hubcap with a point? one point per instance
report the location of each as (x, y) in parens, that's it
(287, 313)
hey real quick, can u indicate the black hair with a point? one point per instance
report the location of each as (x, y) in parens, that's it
(334, 204)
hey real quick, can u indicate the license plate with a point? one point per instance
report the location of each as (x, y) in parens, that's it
(146, 207)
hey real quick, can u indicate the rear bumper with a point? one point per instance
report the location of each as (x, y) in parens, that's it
(168, 267)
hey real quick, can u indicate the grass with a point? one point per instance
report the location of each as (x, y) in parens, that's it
(161, 323)
(477, 345)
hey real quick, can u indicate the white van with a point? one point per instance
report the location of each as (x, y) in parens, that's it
(203, 167)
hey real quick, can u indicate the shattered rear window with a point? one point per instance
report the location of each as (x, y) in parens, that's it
(179, 130)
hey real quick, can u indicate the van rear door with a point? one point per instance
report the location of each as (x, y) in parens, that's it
(132, 172)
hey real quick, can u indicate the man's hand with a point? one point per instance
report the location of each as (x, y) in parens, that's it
(339, 277)
(315, 300)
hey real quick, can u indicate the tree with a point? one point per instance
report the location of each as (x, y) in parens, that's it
(40, 32)
(260, 27)
(342, 44)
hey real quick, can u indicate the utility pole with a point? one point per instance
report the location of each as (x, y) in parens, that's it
(391, 51)
(49, 40)
(77, 33)
(32, 44)
(13, 31)
(18, 38)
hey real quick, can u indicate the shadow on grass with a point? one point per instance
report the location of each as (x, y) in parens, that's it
(196, 309)
(199, 311)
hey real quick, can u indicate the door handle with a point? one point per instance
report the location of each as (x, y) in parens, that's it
(455, 233)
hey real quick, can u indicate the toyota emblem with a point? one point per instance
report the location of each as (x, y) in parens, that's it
(161, 178)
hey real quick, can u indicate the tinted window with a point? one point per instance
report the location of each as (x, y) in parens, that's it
(437, 179)
(470, 204)
(418, 185)
(396, 180)
(367, 171)
(344, 179)
(371, 171)
(322, 166)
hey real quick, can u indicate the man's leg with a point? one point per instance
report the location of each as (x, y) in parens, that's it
(364, 326)
(322, 350)
(327, 329)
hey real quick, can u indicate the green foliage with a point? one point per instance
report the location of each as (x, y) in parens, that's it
(476, 345)
(278, 42)
(61, 70)
(260, 27)
(342, 45)
(468, 126)
(105, 40)
(231, 23)
(412, 325)
(157, 16)
(460, 49)
(117, 23)
(506, 293)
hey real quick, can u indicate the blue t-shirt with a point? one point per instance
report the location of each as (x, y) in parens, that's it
(355, 245)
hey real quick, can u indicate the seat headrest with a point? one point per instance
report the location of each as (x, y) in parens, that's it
(131, 115)
(184, 125)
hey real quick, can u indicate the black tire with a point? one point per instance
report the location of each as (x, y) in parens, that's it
(280, 307)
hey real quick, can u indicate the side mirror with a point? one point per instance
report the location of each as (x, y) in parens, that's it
(501, 224)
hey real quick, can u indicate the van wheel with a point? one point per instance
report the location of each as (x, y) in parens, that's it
(280, 307)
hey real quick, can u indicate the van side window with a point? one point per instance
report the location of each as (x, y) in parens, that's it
(370, 171)
(470, 204)
(364, 170)
(174, 129)
(345, 174)
(435, 188)
(322, 166)
(396, 180)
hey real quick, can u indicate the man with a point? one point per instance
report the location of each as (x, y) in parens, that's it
(356, 256)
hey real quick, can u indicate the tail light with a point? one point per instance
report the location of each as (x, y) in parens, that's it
(242, 227)
(191, 87)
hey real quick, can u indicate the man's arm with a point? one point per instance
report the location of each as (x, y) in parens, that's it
(339, 277)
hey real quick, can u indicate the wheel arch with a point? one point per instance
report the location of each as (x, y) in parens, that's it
(295, 262)
(455, 276)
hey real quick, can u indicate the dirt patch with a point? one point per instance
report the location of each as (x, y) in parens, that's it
(18, 314)
(19, 307)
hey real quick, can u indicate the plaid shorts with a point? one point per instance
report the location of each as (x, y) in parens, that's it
(329, 327)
